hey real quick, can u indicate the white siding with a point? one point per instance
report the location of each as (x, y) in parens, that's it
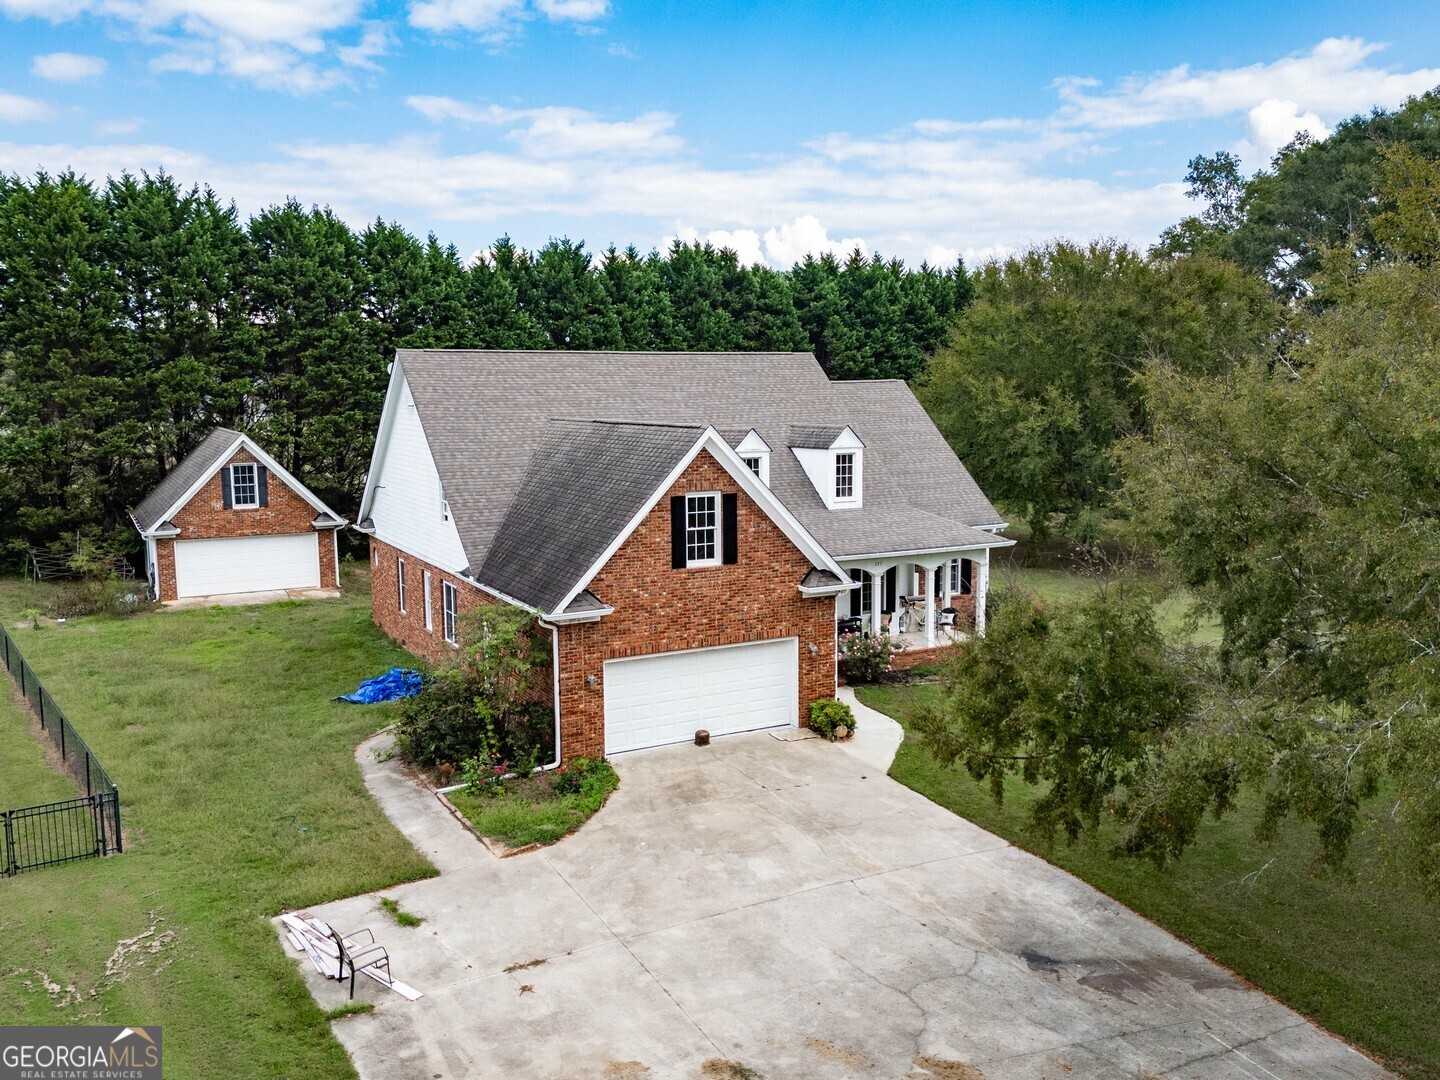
(406, 506)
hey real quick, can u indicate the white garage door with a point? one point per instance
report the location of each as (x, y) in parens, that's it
(666, 698)
(247, 564)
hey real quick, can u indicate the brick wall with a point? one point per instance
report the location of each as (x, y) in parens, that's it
(408, 628)
(205, 517)
(659, 609)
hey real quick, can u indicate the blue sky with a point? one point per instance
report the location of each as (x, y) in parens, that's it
(922, 130)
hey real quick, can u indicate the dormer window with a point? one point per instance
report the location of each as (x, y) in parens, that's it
(755, 452)
(844, 476)
(834, 461)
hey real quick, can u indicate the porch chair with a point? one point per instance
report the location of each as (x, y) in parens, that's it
(369, 954)
(947, 618)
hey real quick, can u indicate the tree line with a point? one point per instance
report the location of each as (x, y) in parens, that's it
(138, 314)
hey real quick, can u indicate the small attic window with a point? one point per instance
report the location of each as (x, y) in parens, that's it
(755, 453)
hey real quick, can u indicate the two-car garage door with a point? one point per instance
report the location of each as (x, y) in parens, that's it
(667, 697)
(247, 564)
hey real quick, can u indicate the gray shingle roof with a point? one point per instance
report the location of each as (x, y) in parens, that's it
(180, 479)
(486, 413)
(556, 526)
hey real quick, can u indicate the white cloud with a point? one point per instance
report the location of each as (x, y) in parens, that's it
(472, 15)
(555, 131)
(66, 67)
(1272, 124)
(498, 20)
(377, 40)
(744, 242)
(983, 188)
(1334, 79)
(276, 44)
(573, 10)
(15, 109)
(109, 129)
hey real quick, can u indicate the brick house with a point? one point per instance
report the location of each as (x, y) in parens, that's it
(228, 519)
(692, 529)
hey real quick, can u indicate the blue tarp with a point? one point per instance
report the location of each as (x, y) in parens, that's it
(395, 683)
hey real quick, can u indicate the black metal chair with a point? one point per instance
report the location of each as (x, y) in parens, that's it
(369, 954)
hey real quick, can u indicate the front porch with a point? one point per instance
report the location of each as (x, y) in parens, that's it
(924, 601)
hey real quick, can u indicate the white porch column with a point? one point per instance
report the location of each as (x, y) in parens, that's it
(877, 594)
(981, 586)
(932, 598)
(895, 613)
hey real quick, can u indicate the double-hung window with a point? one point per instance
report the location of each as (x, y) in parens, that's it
(400, 578)
(448, 598)
(429, 618)
(244, 486)
(702, 521)
(954, 575)
(754, 464)
(844, 476)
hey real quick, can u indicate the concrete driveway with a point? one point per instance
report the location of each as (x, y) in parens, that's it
(786, 907)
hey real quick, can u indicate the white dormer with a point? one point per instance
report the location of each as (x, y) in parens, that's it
(755, 452)
(834, 460)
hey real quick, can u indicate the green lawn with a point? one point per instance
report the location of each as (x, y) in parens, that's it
(529, 812)
(1360, 954)
(25, 778)
(240, 798)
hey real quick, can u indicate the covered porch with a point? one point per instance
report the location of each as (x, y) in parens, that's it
(923, 600)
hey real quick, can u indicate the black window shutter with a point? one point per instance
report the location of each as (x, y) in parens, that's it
(892, 578)
(730, 528)
(226, 499)
(262, 481)
(677, 532)
(966, 567)
(855, 594)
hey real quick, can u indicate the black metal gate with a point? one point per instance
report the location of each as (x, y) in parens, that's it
(59, 832)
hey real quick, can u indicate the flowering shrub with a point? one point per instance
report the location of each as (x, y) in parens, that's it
(584, 776)
(483, 775)
(864, 659)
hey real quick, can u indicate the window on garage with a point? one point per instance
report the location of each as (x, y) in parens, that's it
(244, 486)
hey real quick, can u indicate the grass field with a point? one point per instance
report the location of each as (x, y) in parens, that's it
(1358, 953)
(25, 777)
(240, 798)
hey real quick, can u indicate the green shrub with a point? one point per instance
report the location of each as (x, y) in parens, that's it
(827, 714)
(864, 659)
(585, 776)
(483, 703)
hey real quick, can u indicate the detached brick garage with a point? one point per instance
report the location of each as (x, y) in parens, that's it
(229, 519)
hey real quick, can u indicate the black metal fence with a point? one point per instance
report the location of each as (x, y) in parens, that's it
(81, 828)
